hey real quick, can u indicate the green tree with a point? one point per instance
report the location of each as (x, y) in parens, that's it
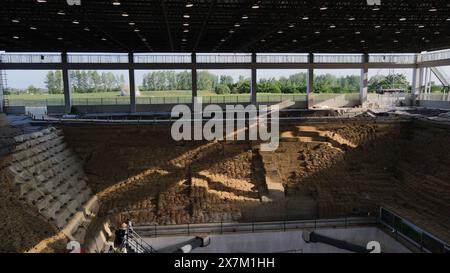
(222, 89)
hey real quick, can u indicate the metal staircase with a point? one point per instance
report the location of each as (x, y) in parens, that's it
(442, 77)
(135, 244)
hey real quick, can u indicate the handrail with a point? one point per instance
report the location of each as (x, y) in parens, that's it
(436, 55)
(158, 58)
(30, 58)
(338, 58)
(395, 222)
(219, 228)
(285, 58)
(393, 58)
(134, 242)
(97, 58)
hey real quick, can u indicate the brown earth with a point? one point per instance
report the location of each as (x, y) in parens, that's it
(326, 170)
(336, 169)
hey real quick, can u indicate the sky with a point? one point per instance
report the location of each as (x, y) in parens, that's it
(25, 78)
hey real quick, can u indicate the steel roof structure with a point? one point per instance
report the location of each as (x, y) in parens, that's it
(341, 26)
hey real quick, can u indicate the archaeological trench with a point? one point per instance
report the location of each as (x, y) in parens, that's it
(108, 173)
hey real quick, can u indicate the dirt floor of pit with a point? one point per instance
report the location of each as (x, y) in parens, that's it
(327, 170)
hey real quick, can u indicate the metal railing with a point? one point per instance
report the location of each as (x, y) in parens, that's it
(221, 228)
(413, 234)
(224, 58)
(136, 244)
(25, 58)
(160, 58)
(338, 58)
(393, 58)
(97, 58)
(285, 58)
(436, 55)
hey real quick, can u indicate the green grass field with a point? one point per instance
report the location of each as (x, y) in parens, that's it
(155, 97)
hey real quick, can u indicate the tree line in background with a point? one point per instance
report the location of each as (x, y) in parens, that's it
(296, 83)
(83, 81)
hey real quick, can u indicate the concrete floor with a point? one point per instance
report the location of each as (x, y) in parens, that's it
(290, 241)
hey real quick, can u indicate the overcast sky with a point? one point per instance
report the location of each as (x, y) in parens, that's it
(25, 78)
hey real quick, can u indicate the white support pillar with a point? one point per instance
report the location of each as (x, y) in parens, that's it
(194, 76)
(417, 79)
(66, 84)
(253, 85)
(364, 81)
(132, 83)
(2, 87)
(310, 82)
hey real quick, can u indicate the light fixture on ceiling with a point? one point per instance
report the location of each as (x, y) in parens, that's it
(132, 23)
(184, 40)
(231, 31)
(323, 7)
(75, 22)
(398, 32)
(402, 19)
(395, 41)
(317, 32)
(433, 9)
(137, 30)
(330, 41)
(189, 4)
(41, 1)
(332, 26)
(437, 33)
(116, 3)
(185, 24)
(294, 41)
(33, 28)
(61, 12)
(291, 25)
(363, 41)
(124, 14)
(280, 31)
(376, 8)
(16, 37)
(60, 38)
(103, 39)
(244, 17)
(420, 26)
(87, 29)
(255, 6)
(144, 40)
(186, 16)
(186, 30)
(222, 40)
(351, 19)
(15, 21)
(377, 26)
(263, 41)
(237, 25)
(305, 18)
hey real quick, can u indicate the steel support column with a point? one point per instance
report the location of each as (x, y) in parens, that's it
(416, 81)
(364, 81)
(194, 76)
(132, 83)
(66, 84)
(253, 85)
(310, 82)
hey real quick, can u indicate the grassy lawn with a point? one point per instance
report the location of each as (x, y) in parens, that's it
(154, 97)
